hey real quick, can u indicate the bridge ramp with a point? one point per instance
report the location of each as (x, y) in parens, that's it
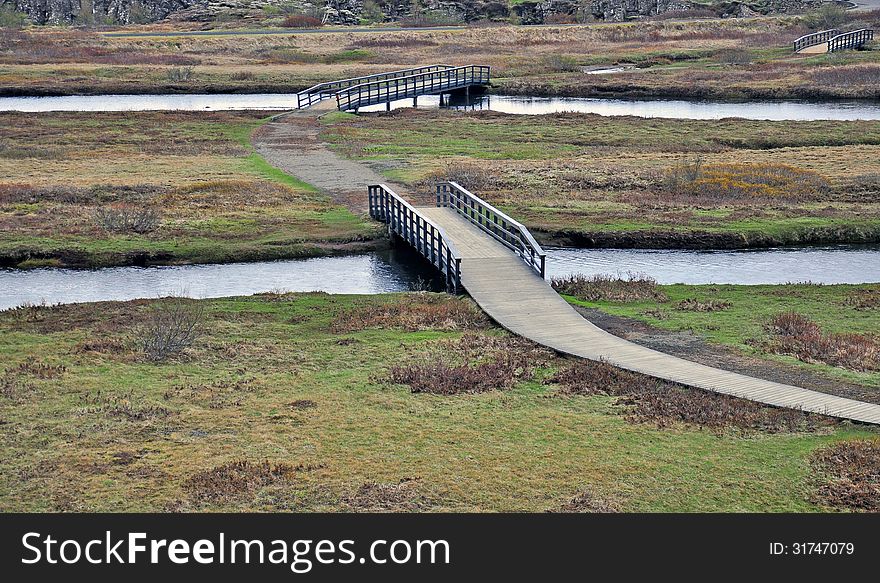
(521, 301)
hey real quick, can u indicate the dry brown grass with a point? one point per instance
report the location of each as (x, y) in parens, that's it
(471, 364)
(237, 480)
(796, 335)
(662, 403)
(849, 475)
(744, 182)
(416, 312)
(587, 502)
(603, 287)
(401, 496)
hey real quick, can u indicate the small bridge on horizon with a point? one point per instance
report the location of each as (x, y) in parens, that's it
(832, 40)
(352, 94)
(481, 249)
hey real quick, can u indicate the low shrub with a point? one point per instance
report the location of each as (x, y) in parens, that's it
(473, 363)
(695, 305)
(128, 218)
(635, 287)
(734, 56)
(864, 299)
(848, 75)
(849, 475)
(236, 480)
(180, 74)
(417, 312)
(663, 403)
(736, 182)
(172, 326)
(796, 335)
(442, 378)
(301, 21)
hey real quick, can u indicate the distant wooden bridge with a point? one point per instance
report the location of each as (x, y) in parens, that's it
(352, 94)
(832, 40)
(495, 258)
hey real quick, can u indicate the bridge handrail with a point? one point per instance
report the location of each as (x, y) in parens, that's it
(353, 97)
(505, 229)
(428, 238)
(814, 38)
(850, 39)
(321, 91)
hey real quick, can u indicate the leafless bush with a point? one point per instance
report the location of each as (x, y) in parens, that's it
(603, 287)
(849, 475)
(128, 218)
(180, 74)
(682, 173)
(173, 325)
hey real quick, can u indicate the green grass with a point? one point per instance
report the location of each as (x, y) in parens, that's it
(752, 308)
(516, 450)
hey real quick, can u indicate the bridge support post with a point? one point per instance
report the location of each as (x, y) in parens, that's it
(387, 106)
(415, 101)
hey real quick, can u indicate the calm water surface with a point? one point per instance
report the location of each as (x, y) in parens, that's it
(667, 108)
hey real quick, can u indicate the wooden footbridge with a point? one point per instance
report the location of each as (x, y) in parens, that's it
(832, 40)
(352, 94)
(499, 263)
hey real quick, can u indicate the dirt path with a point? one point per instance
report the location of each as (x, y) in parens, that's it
(290, 142)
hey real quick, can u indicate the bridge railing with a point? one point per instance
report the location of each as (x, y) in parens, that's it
(322, 91)
(425, 83)
(423, 235)
(497, 224)
(814, 38)
(851, 39)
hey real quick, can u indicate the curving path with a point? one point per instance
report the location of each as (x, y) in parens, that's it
(517, 298)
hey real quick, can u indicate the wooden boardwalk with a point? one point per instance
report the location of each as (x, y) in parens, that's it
(520, 300)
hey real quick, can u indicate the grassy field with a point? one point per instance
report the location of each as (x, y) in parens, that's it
(741, 316)
(190, 183)
(283, 404)
(730, 58)
(589, 180)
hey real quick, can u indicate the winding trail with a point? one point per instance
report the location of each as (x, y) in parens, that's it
(514, 295)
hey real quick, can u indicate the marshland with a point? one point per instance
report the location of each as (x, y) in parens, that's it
(409, 399)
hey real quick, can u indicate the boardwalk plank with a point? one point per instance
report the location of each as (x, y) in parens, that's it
(519, 300)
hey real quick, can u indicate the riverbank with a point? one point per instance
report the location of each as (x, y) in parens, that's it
(99, 189)
(250, 417)
(719, 59)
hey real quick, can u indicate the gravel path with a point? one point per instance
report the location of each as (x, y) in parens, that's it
(291, 143)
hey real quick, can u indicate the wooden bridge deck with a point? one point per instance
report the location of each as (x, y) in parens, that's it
(516, 297)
